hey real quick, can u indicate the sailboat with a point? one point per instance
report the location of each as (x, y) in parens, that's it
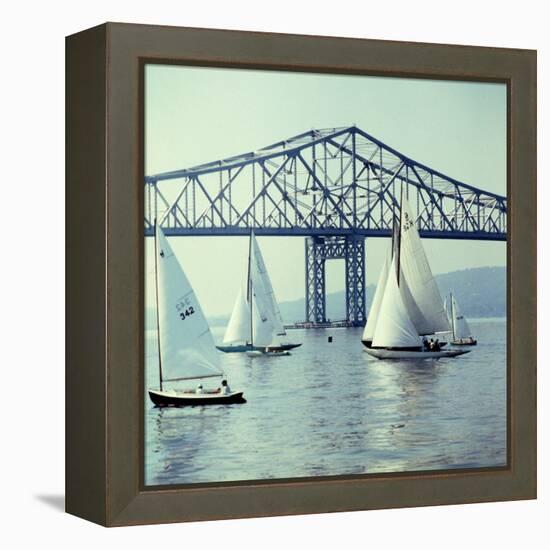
(407, 305)
(256, 325)
(186, 348)
(462, 335)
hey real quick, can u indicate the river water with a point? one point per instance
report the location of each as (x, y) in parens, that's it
(331, 409)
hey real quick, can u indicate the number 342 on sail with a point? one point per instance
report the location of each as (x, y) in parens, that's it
(184, 310)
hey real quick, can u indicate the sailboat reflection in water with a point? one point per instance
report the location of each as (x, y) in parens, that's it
(407, 305)
(186, 347)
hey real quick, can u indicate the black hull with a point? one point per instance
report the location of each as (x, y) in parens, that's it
(368, 345)
(245, 348)
(282, 347)
(287, 347)
(212, 399)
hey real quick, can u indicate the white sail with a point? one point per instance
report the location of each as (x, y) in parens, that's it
(368, 333)
(258, 268)
(420, 291)
(394, 328)
(238, 329)
(187, 349)
(263, 330)
(461, 327)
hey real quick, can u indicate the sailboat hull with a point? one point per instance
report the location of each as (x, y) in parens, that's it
(368, 344)
(464, 342)
(181, 399)
(248, 347)
(381, 353)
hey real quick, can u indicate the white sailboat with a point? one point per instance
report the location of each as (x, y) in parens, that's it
(461, 333)
(256, 325)
(407, 305)
(185, 345)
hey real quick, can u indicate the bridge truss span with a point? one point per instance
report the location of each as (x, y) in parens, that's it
(337, 181)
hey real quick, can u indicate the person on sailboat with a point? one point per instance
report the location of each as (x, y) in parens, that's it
(199, 389)
(224, 389)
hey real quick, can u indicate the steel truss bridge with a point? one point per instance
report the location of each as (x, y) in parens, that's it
(335, 187)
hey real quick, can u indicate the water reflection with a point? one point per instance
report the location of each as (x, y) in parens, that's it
(330, 409)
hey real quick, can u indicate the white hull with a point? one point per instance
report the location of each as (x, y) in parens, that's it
(464, 342)
(381, 353)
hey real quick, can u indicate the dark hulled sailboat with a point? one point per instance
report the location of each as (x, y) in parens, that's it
(186, 348)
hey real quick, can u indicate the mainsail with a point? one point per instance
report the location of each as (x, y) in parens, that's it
(239, 329)
(420, 292)
(263, 330)
(394, 328)
(186, 346)
(265, 324)
(461, 329)
(374, 311)
(259, 270)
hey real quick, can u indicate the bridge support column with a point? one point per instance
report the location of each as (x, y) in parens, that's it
(318, 251)
(315, 280)
(355, 280)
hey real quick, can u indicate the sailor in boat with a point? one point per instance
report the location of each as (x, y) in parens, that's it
(224, 388)
(435, 346)
(199, 389)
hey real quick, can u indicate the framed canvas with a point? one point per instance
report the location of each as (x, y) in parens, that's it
(208, 164)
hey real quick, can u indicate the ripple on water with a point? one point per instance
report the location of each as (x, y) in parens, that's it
(330, 409)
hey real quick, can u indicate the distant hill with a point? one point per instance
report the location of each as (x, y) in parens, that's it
(481, 292)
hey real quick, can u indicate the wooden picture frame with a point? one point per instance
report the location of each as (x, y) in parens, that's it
(104, 366)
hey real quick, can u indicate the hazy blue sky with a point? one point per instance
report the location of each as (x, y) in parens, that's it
(196, 115)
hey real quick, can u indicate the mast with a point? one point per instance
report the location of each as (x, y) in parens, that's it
(399, 229)
(453, 317)
(249, 292)
(157, 300)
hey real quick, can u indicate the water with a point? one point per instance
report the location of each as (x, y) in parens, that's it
(330, 409)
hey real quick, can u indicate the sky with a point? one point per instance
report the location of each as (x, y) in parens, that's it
(195, 115)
